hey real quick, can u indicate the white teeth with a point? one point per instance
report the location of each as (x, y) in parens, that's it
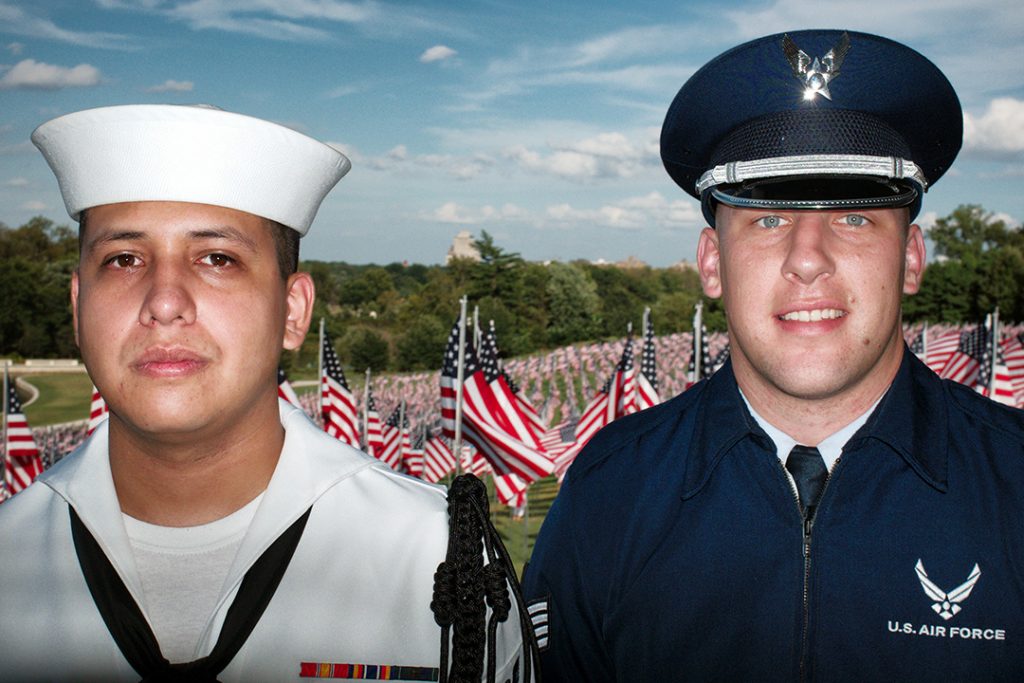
(815, 315)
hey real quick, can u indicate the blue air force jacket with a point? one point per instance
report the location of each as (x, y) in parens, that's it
(676, 549)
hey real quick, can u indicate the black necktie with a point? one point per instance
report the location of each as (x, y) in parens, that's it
(809, 473)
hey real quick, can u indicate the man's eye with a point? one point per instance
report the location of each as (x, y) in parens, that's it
(770, 222)
(855, 220)
(217, 260)
(123, 261)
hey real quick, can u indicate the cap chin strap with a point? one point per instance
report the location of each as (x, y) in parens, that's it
(812, 164)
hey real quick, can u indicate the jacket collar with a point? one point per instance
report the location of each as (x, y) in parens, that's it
(311, 462)
(911, 419)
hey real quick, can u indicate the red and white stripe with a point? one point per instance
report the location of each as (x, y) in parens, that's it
(438, 460)
(98, 411)
(21, 455)
(339, 411)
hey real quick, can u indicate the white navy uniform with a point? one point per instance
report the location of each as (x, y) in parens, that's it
(356, 592)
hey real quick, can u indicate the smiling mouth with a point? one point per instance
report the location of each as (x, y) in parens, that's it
(814, 315)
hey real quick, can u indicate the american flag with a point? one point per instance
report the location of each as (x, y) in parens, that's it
(438, 460)
(449, 380)
(1010, 386)
(647, 380)
(940, 349)
(919, 347)
(285, 390)
(373, 430)
(700, 350)
(97, 411)
(599, 412)
(491, 420)
(337, 404)
(395, 432)
(964, 365)
(413, 459)
(22, 463)
(488, 344)
(718, 360)
(625, 382)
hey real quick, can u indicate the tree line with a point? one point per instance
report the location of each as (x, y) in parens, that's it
(397, 316)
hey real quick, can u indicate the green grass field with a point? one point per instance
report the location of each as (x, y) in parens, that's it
(62, 398)
(520, 534)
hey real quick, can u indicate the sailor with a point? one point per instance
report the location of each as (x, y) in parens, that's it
(823, 507)
(209, 531)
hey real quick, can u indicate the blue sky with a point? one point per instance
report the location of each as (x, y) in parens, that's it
(535, 121)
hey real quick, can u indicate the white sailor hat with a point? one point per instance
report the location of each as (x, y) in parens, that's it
(817, 119)
(198, 154)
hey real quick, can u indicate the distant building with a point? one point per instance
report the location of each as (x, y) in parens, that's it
(630, 263)
(683, 265)
(462, 247)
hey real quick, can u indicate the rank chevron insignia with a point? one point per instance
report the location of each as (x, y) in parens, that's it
(816, 74)
(947, 604)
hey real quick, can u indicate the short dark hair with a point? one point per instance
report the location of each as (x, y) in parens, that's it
(286, 244)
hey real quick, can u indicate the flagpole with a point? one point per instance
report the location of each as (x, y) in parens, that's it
(698, 342)
(320, 357)
(460, 375)
(6, 486)
(366, 411)
(477, 335)
(993, 357)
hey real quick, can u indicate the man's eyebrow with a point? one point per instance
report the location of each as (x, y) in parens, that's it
(116, 236)
(225, 233)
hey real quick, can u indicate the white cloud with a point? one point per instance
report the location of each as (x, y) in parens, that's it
(456, 214)
(16, 182)
(16, 21)
(399, 160)
(606, 155)
(34, 206)
(438, 53)
(29, 73)
(172, 86)
(999, 131)
(15, 48)
(341, 91)
(630, 213)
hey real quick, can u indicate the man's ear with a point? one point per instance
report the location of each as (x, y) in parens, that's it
(709, 263)
(74, 304)
(300, 296)
(915, 257)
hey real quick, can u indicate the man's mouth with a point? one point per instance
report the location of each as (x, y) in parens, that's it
(169, 362)
(813, 315)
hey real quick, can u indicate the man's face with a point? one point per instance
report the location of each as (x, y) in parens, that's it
(812, 298)
(181, 313)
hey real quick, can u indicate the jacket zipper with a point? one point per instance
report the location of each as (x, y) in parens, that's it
(808, 524)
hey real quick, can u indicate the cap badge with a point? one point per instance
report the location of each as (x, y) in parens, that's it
(816, 74)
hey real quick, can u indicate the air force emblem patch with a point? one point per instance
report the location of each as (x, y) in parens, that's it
(947, 604)
(816, 73)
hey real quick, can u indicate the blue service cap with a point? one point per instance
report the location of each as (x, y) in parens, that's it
(816, 119)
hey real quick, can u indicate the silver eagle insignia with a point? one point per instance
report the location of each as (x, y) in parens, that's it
(947, 604)
(816, 74)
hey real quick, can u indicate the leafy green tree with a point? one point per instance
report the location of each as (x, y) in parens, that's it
(573, 303)
(367, 349)
(980, 266)
(421, 346)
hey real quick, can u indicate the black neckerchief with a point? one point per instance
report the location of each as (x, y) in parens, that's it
(132, 633)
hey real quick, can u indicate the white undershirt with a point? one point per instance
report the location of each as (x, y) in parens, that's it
(182, 570)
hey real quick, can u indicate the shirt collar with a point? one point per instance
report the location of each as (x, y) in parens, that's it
(831, 447)
(911, 419)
